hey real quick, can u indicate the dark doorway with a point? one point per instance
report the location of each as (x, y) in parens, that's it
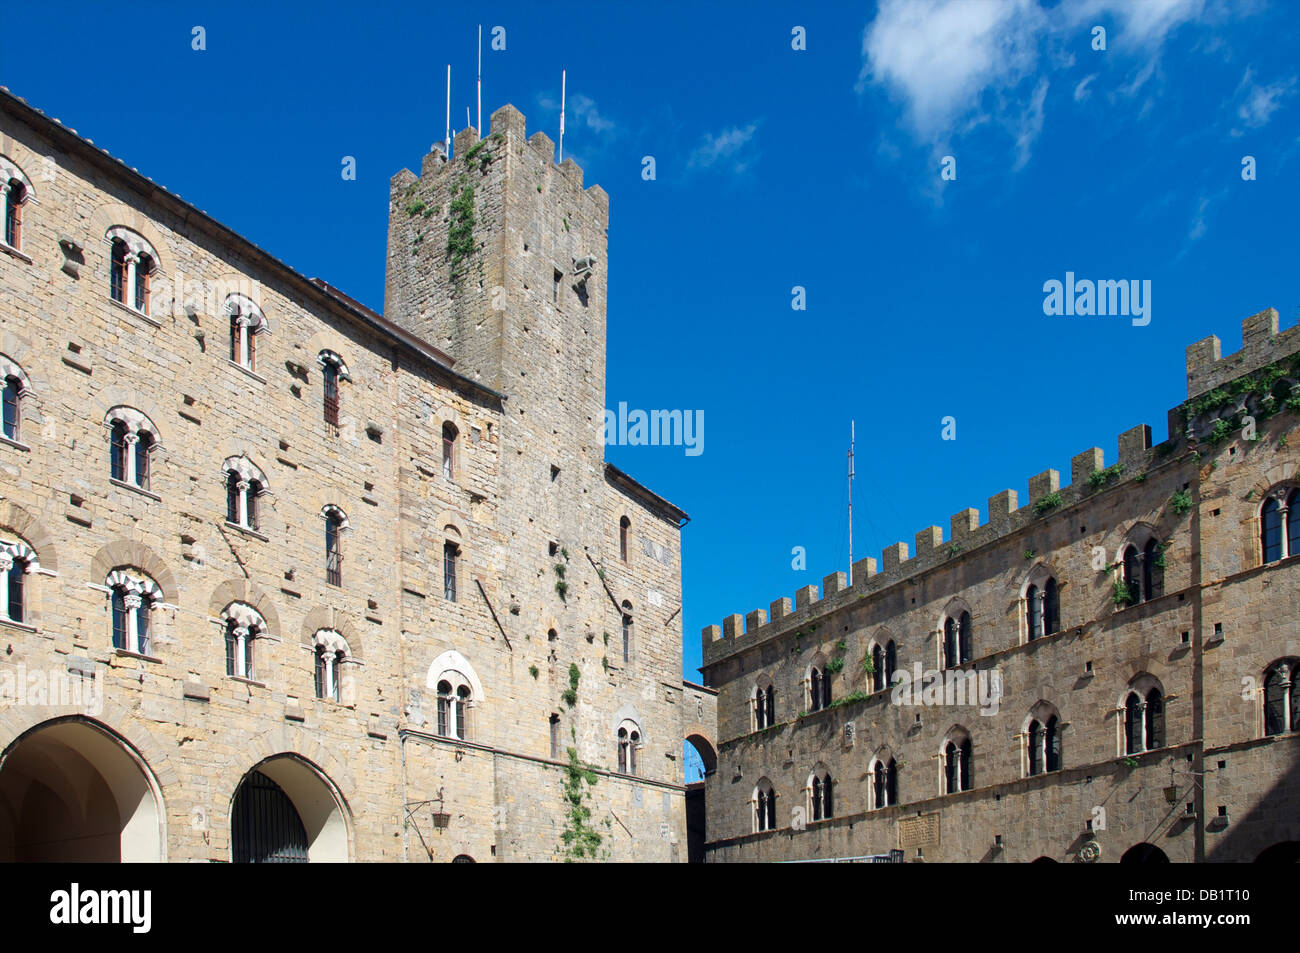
(265, 826)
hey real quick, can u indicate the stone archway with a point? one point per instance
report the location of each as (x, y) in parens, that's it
(72, 790)
(1144, 854)
(306, 814)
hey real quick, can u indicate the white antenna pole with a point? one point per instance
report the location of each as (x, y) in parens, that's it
(562, 87)
(448, 139)
(852, 436)
(467, 122)
(480, 80)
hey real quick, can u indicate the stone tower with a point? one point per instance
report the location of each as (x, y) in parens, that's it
(498, 258)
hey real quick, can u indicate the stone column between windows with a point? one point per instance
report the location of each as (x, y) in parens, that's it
(241, 322)
(241, 641)
(242, 488)
(131, 601)
(129, 261)
(129, 440)
(6, 564)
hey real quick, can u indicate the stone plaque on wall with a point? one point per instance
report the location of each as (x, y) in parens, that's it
(920, 831)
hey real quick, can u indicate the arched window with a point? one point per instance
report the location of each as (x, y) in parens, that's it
(884, 783)
(1042, 605)
(956, 639)
(459, 691)
(243, 624)
(13, 195)
(1043, 740)
(821, 802)
(16, 387)
(627, 631)
(764, 706)
(764, 806)
(450, 557)
(132, 261)
(246, 324)
(629, 740)
(624, 525)
(331, 654)
(1281, 697)
(1144, 717)
(132, 441)
(1132, 563)
(1280, 524)
(957, 762)
(449, 435)
(244, 484)
(132, 596)
(17, 561)
(878, 680)
(891, 662)
(819, 685)
(335, 522)
(333, 370)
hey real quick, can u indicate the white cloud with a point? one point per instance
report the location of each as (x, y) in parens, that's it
(1258, 103)
(950, 63)
(733, 147)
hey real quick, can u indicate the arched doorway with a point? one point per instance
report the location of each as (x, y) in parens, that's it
(286, 811)
(1044, 860)
(463, 859)
(264, 825)
(1144, 854)
(1286, 852)
(73, 791)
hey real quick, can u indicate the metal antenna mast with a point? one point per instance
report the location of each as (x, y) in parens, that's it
(852, 437)
(448, 139)
(563, 74)
(480, 79)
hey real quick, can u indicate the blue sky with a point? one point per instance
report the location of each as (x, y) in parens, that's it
(775, 168)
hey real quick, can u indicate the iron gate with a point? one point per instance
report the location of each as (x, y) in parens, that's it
(266, 828)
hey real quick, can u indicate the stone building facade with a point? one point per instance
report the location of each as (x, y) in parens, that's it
(288, 579)
(1107, 672)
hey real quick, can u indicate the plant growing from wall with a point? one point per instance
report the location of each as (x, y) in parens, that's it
(570, 695)
(1029, 554)
(1159, 561)
(579, 840)
(1048, 503)
(1181, 502)
(1099, 478)
(532, 670)
(415, 208)
(460, 231)
(561, 586)
(1120, 594)
(868, 665)
(850, 698)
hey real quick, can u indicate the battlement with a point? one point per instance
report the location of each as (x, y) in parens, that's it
(535, 155)
(1089, 474)
(1261, 344)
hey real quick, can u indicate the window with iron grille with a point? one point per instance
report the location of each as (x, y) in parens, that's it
(450, 554)
(333, 549)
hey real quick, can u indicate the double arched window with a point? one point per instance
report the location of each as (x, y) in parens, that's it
(957, 762)
(818, 681)
(454, 697)
(629, 740)
(1279, 520)
(132, 597)
(821, 800)
(331, 654)
(1282, 697)
(884, 662)
(246, 324)
(956, 638)
(242, 624)
(1143, 565)
(244, 484)
(764, 705)
(132, 441)
(884, 782)
(132, 262)
(16, 389)
(17, 561)
(764, 800)
(1144, 716)
(1043, 740)
(1042, 599)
